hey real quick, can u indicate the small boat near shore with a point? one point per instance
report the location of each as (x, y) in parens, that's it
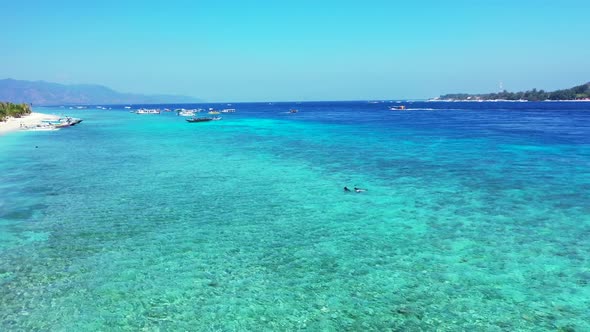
(216, 118)
(229, 110)
(293, 111)
(63, 122)
(62, 125)
(71, 121)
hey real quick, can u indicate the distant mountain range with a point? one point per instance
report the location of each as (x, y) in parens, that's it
(47, 93)
(580, 92)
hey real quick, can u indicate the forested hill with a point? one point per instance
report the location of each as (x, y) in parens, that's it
(580, 92)
(13, 110)
(47, 93)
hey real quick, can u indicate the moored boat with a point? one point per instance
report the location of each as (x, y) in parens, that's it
(147, 111)
(199, 120)
(72, 121)
(215, 118)
(184, 112)
(64, 122)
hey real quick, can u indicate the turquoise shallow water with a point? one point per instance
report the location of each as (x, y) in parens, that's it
(477, 218)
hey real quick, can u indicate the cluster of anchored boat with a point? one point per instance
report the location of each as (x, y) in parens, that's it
(192, 113)
(189, 113)
(50, 125)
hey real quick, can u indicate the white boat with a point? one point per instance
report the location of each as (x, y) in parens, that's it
(127, 107)
(62, 122)
(186, 113)
(229, 110)
(147, 111)
(397, 108)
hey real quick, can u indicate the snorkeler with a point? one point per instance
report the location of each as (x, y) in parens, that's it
(346, 189)
(359, 190)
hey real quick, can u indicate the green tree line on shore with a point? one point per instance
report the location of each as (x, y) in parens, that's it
(13, 110)
(576, 93)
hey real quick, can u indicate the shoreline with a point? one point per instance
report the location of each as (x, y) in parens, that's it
(31, 120)
(508, 101)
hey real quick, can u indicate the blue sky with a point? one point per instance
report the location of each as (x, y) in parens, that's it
(299, 50)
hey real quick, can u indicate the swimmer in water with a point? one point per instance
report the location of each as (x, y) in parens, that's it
(346, 189)
(359, 190)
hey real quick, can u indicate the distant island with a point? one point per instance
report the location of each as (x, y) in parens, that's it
(580, 92)
(50, 94)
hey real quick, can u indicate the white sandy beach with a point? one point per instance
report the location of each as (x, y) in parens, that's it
(31, 120)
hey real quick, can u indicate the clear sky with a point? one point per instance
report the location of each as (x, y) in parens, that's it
(298, 50)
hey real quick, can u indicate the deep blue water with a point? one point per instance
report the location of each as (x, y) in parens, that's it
(476, 217)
